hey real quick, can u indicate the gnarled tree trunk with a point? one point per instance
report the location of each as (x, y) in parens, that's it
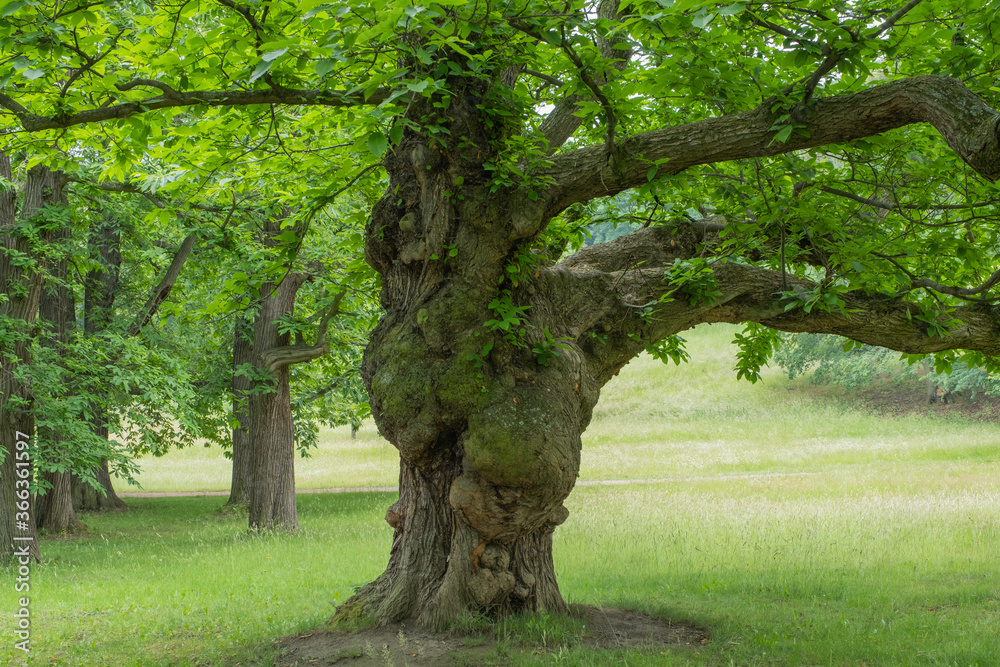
(489, 438)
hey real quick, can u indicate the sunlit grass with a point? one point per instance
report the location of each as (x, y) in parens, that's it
(801, 572)
(668, 421)
(338, 461)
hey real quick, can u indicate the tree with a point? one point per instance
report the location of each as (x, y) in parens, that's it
(795, 137)
(25, 234)
(54, 510)
(267, 431)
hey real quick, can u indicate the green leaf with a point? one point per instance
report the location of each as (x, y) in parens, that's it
(31, 73)
(732, 10)
(274, 55)
(377, 143)
(702, 21)
(261, 69)
(12, 7)
(324, 67)
(783, 134)
(396, 133)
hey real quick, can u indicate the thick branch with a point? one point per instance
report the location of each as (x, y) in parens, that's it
(563, 120)
(969, 125)
(608, 297)
(214, 98)
(287, 355)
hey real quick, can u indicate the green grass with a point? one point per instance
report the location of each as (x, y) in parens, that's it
(796, 528)
(172, 582)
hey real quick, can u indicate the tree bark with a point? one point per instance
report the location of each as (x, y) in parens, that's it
(54, 511)
(272, 428)
(489, 439)
(242, 479)
(22, 285)
(86, 498)
(100, 292)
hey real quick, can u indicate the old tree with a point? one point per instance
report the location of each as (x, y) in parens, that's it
(797, 166)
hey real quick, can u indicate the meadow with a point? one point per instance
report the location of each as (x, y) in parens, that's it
(795, 526)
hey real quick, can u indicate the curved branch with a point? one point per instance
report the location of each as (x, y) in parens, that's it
(168, 92)
(970, 127)
(287, 355)
(966, 293)
(608, 296)
(875, 203)
(213, 98)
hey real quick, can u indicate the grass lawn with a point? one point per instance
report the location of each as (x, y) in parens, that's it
(797, 528)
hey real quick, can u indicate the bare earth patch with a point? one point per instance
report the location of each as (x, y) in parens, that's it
(398, 645)
(911, 399)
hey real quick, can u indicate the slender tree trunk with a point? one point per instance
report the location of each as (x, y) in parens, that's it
(239, 493)
(22, 286)
(100, 292)
(272, 429)
(931, 389)
(54, 510)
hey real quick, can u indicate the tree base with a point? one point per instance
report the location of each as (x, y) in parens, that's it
(440, 568)
(88, 499)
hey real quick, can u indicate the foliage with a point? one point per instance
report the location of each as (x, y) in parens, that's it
(509, 318)
(884, 214)
(693, 281)
(670, 348)
(548, 347)
(832, 360)
(756, 344)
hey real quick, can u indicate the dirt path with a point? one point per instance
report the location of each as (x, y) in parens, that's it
(368, 489)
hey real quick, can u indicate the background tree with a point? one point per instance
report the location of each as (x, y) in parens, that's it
(832, 360)
(803, 129)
